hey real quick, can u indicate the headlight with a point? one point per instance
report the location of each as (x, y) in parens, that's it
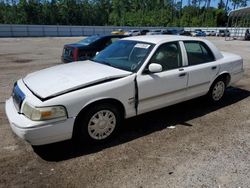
(43, 113)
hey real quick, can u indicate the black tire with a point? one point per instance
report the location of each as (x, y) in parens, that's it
(98, 123)
(217, 90)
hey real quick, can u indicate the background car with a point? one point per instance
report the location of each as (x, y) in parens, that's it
(155, 32)
(207, 33)
(170, 32)
(196, 30)
(144, 31)
(199, 34)
(133, 33)
(247, 35)
(87, 48)
(185, 33)
(223, 33)
(212, 33)
(118, 32)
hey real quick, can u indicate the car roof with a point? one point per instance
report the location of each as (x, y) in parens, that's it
(155, 39)
(159, 39)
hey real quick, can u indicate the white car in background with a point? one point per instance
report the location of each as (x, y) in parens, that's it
(155, 32)
(132, 76)
(210, 33)
(133, 33)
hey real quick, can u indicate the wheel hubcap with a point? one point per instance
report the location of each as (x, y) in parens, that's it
(101, 124)
(218, 90)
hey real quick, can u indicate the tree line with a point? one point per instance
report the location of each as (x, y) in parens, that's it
(118, 12)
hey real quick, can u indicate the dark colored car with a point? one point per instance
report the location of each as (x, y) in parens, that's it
(247, 35)
(144, 31)
(88, 47)
(185, 33)
(197, 30)
(170, 32)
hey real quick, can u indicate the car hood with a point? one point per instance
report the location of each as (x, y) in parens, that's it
(60, 79)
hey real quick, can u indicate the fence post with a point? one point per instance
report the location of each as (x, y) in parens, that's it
(57, 30)
(43, 31)
(82, 31)
(11, 31)
(27, 30)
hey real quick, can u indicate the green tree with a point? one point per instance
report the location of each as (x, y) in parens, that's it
(117, 12)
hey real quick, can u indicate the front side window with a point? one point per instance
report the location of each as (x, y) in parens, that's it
(198, 52)
(124, 54)
(168, 56)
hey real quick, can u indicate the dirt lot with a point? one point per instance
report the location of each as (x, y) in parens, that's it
(209, 146)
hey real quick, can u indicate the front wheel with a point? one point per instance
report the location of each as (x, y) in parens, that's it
(98, 123)
(217, 90)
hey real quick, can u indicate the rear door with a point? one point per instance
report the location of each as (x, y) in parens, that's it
(202, 68)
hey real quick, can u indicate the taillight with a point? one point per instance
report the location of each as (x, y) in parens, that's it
(75, 54)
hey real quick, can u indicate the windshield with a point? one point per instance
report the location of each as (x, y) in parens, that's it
(89, 40)
(125, 55)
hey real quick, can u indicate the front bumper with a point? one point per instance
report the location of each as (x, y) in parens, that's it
(66, 60)
(35, 132)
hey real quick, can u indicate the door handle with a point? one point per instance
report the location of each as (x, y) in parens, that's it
(182, 74)
(214, 67)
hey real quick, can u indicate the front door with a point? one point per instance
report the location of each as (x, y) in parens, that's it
(157, 90)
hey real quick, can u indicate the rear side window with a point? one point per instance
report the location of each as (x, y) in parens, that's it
(198, 52)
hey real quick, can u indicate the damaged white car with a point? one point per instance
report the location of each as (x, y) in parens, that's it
(89, 99)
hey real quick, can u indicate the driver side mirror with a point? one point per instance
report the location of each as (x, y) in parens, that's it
(154, 68)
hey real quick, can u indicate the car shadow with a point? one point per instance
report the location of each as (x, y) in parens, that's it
(143, 125)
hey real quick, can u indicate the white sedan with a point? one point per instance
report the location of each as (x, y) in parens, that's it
(89, 99)
(133, 33)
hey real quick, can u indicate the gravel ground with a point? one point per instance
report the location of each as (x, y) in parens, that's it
(208, 145)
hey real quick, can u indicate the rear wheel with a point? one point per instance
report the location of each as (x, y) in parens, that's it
(217, 90)
(98, 123)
